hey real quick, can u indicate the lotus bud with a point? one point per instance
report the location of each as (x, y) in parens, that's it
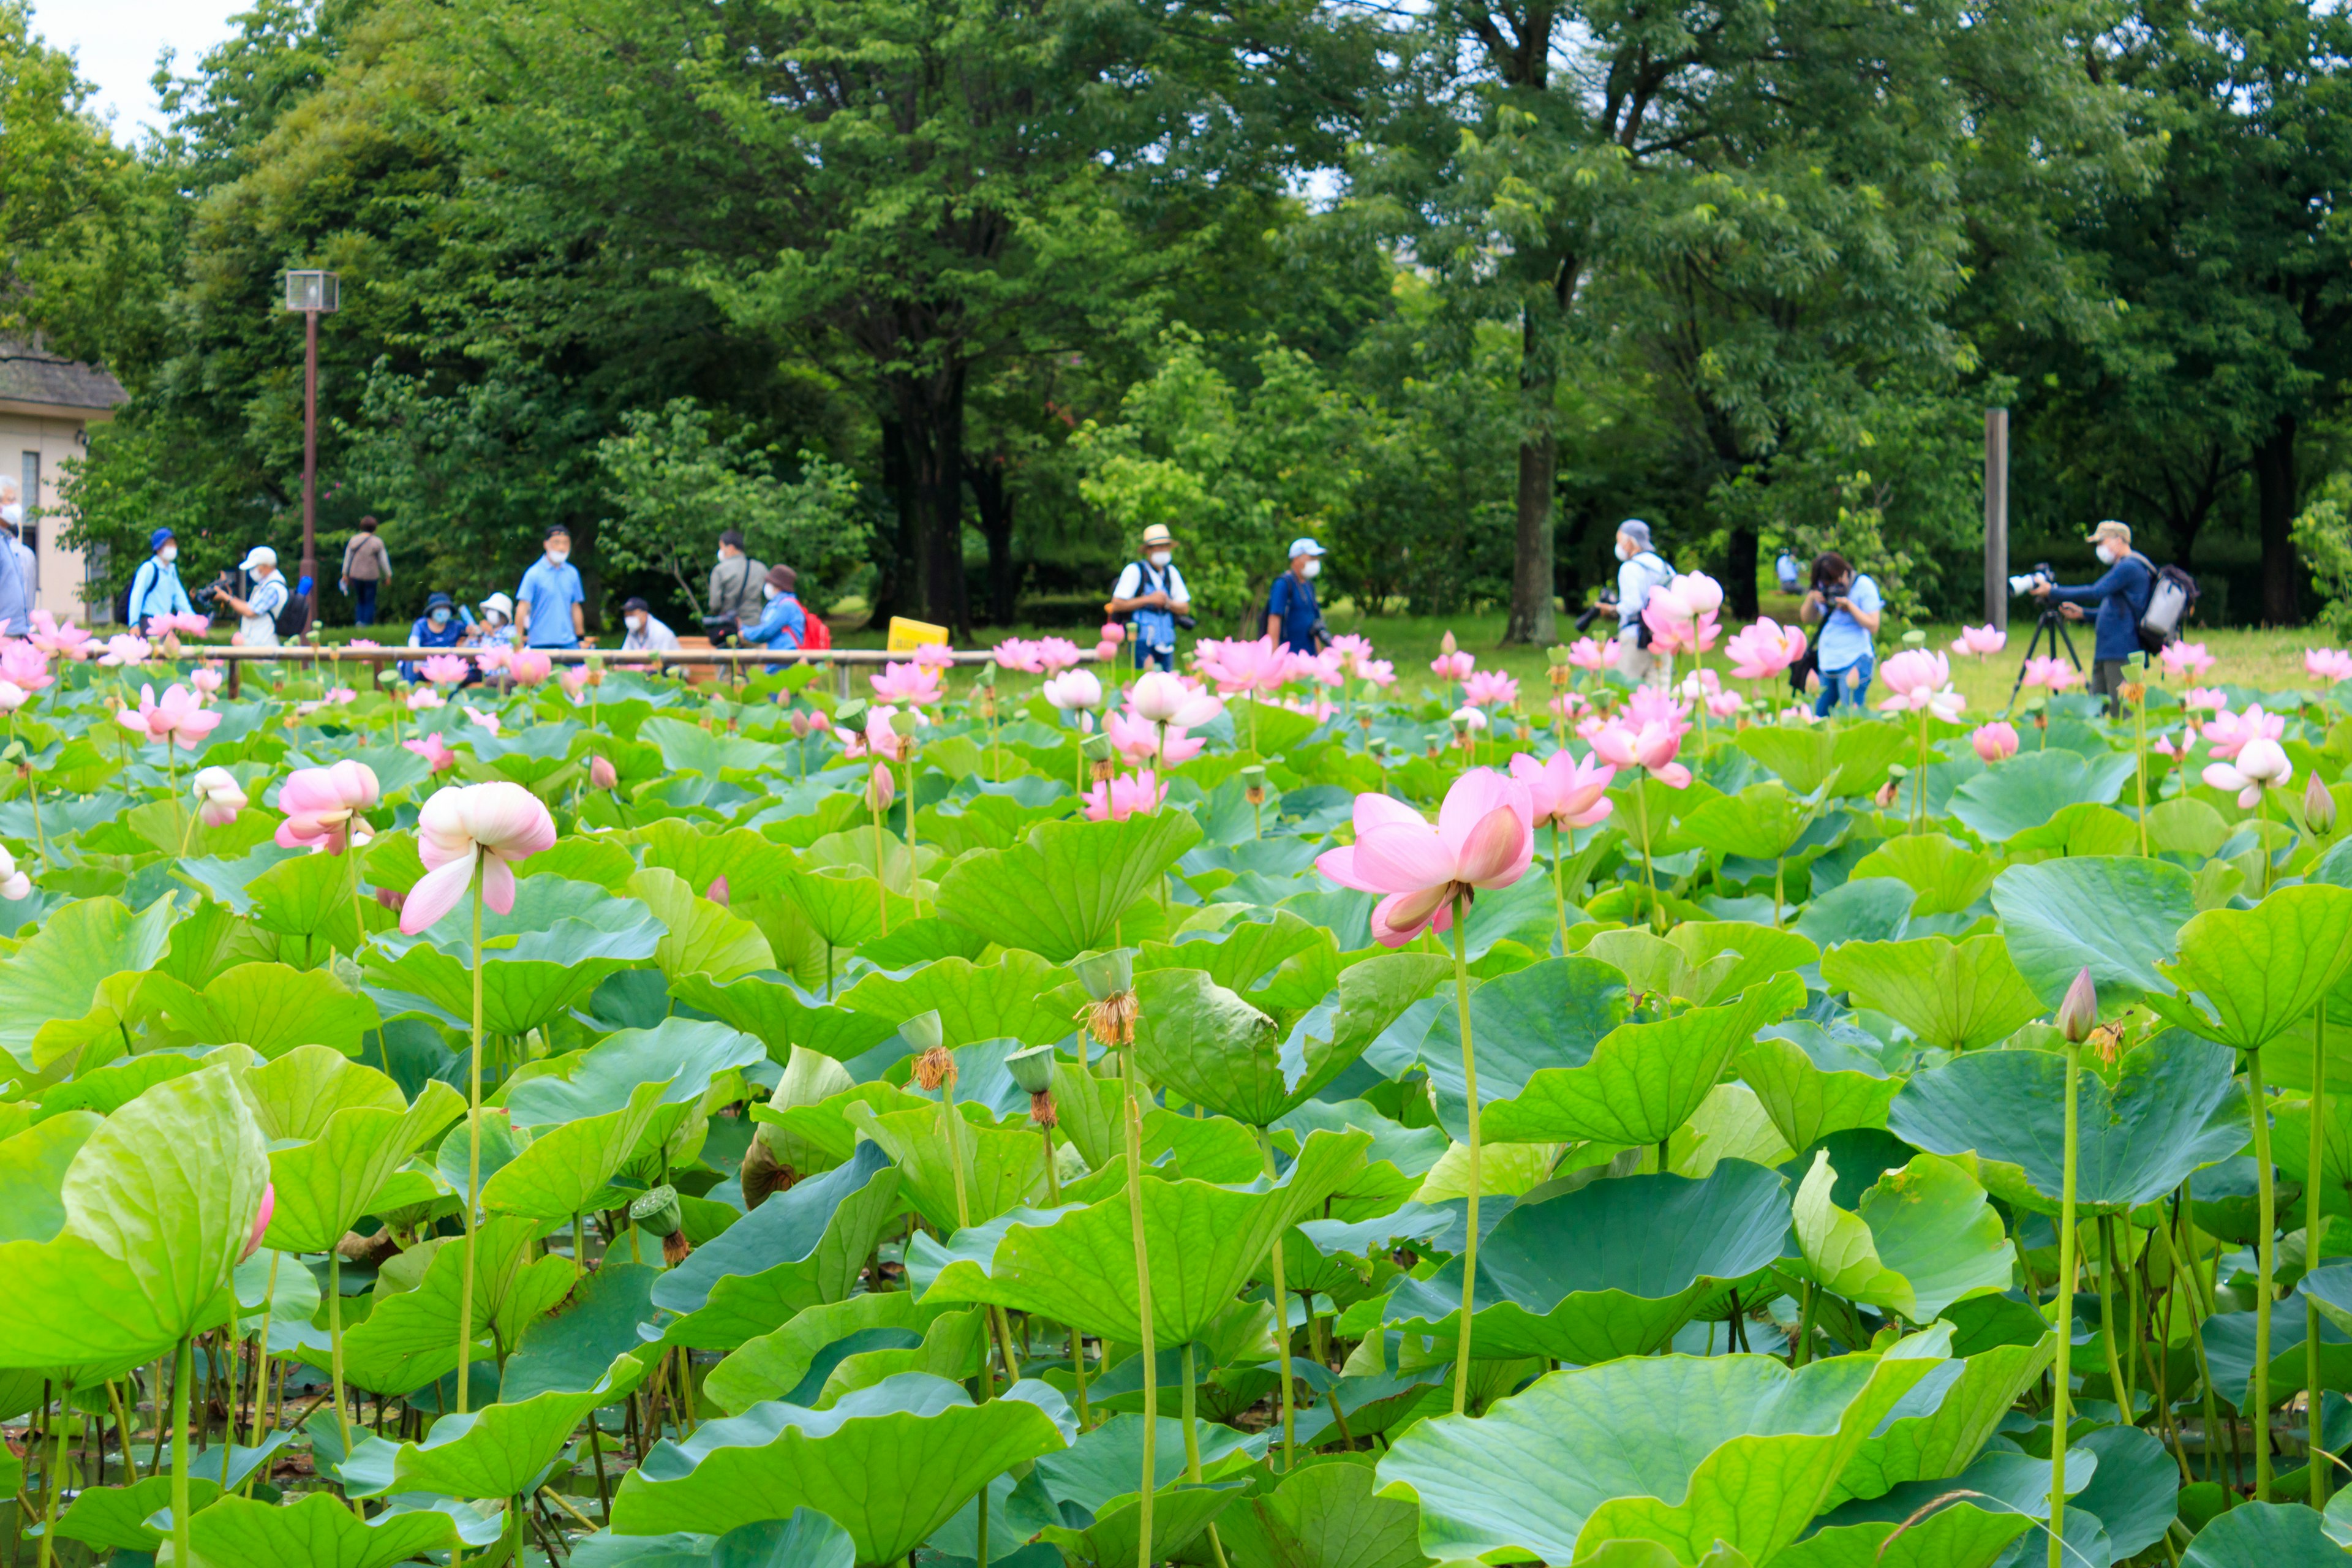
(657, 1211)
(2078, 1012)
(601, 773)
(800, 725)
(764, 1175)
(1254, 785)
(1032, 1068)
(718, 892)
(2318, 806)
(1446, 644)
(923, 1033)
(260, 1222)
(880, 789)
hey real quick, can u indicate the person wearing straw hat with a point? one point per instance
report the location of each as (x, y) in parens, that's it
(2121, 595)
(1151, 591)
(257, 623)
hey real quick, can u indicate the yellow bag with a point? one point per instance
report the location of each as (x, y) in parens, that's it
(907, 636)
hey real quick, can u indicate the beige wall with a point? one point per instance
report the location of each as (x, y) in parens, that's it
(55, 437)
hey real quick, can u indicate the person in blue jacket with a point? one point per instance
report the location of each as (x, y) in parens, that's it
(2121, 593)
(438, 626)
(155, 589)
(1292, 616)
(784, 623)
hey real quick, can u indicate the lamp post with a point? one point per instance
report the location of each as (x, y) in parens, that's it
(310, 295)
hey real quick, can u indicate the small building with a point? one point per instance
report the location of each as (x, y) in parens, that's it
(47, 404)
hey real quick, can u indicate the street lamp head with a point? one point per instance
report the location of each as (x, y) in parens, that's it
(311, 292)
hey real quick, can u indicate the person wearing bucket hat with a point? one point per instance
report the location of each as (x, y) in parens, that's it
(784, 623)
(2121, 595)
(438, 626)
(1151, 592)
(1292, 618)
(155, 588)
(257, 612)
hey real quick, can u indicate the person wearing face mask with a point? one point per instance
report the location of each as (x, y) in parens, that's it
(367, 566)
(735, 581)
(155, 587)
(644, 634)
(438, 626)
(1640, 569)
(1151, 592)
(551, 605)
(15, 584)
(1292, 616)
(495, 627)
(2121, 595)
(783, 622)
(1847, 605)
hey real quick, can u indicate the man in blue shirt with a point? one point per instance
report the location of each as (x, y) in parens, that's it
(784, 623)
(548, 606)
(1292, 616)
(2121, 595)
(155, 590)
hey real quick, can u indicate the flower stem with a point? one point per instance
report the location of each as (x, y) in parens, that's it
(881, 888)
(2063, 1373)
(2315, 1227)
(335, 1344)
(473, 1166)
(1649, 872)
(2266, 1204)
(184, 1374)
(1560, 897)
(914, 877)
(1133, 1116)
(57, 1470)
(2139, 755)
(1470, 1085)
(1281, 1325)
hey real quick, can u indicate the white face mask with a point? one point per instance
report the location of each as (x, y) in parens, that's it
(558, 554)
(636, 623)
(1160, 557)
(1312, 569)
(1624, 554)
(2107, 554)
(768, 590)
(171, 552)
(722, 555)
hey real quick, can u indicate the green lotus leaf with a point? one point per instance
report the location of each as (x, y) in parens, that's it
(559, 1170)
(1860, 908)
(685, 1056)
(575, 1348)
(1278, 963)
(2031, 788)
(271, 1008)
(1946, 876)
(1965, 1522)
(1076, 1265)
(700, 857)
(1216, 1049)
(1548, 1016)
(108, 1088)
(952, 1348)
(1179, 1515)
(315, 1531)
(501, 1450)
(1922, 1238)
(2136, 1490)
(1004, 1166)
(325, 1186)
(2175, 1107)
(410, 1340)
(2118, 917)
(1763, 822)
(691, 749)
(844, 903)
(53, 978)
(703, 937)
(2261, 1536)
(33, 1166)
(1650, 1554)
(1324, 1516)
(1642, 1080)
(889, 1464)
(533, 981)
(1748, 1447)
(782, 1016)
(1006, 1000)
(1611, 1268)
(2246, 976)
(2229, 1340)
(306, 897)
(1810, 1084)
(1937, 1428)
(1954, 996)
(771, 1365)
(1064, 889)
(114, 1518)
(1703, 962)
(802, 1247)
(2290, 1148)
(824, 1128)
(1102, 1466)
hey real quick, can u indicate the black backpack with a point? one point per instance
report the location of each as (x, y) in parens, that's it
(2170, 593)
(293, 617)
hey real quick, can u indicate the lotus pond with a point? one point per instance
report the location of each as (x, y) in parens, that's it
(1279, 1118)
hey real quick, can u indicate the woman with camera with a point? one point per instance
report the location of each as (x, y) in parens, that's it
(1847, 606)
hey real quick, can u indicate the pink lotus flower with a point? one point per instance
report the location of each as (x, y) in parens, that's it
(934, 656)
(1325, 668)
(124, 649)
(1455, 665)
(530, 666)
(435, 752)
(490, 825)
(180, 718)
(2163, 747)
(2227, 734)
(601, 774)
(1724, 704)
(1137, 740)
(1995, 741)
(1682, 614)
(219, 795)
(881, 738)
(13, 697)
(206, 682)
(1565, 791)
(2261, 763)
(810, 721)
(1243, 666)
(22, 664)
(359, 645)
(14, 885)
(171, 621)
(1113, 632)
(1160, 697)
(1489, 687)
(1116, 800)
(446, 668)
(486, 721)
(2054, 673)
(1919, 679)
(1568, 704)
(422, 698)
(1351, 650)
(1017, 654)
(261, 1225)
(574, 680)
(1979, 642)
(881, 788)
(1651, 707)
(1467, 717)
(494, 658)
(2209, 699)
(1763, 650)
(1649, 746)
(321, 805)
(1590, 652)
(1484, 838)
(1105, 652)
(1075, 691)
(905, 685)
(2327, 664)
(66, 641)
(2189, 658)
(1056, 653)
(1320, 709)
(1381, 672)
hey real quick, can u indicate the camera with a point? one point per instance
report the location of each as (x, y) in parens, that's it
(722, 629)
(1605, 604)
(2039, 575)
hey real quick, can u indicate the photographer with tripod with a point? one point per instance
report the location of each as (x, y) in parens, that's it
(2121, 595)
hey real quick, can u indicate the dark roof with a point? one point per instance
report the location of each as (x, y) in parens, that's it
(31, 373)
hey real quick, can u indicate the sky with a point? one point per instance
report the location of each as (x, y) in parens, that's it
(116, 42)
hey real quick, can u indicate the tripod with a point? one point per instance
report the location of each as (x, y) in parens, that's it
(2055, 625)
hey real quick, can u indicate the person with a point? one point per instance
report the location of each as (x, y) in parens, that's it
(12, 514)
(438, 626)
(735, 581)
(257, 624)
(15, 582)
(495, 627)
(1292, 617)
(155, 587)
(2121, 593)
(1847, 604)
(783, 622)
(1640, 569)
(1152, 591)
(1786, 570)
(646, 634)
(367, 566)
(550, 607)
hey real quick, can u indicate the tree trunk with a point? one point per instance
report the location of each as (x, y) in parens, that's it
(1739, 575)
(894, 570)
(994, 497)
(1531, 618)
(2276, 490)
(930, 413)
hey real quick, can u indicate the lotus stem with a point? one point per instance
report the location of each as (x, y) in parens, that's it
(57, 1468)
(2062, 1389)
(1919, 780)
(2139, 758)
(2314, 1227)
(1134, 1119)
(1649, 871)
(881, 887)
(473, 1173)
(2266, 1252)
(1281, 1326)
(1560, 895)
(2108, 1314)
(335, 1339)
(184, 1373)
(915, 892)
(1470, 1085)
(359, 909)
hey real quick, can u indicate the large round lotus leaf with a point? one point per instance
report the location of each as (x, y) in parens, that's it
(409, 1338)
(1683, 1450)
(2175, 1107)
(701, 937)
(316, 1531)
(1922, 1238)
(1940, 1425)
(1325, 1516)
(2118, 917)
(2229, 1341)
(270, 1007)
(685, 1056)
(326, 1185)
(1548, 1015)
(1009, 999)
(2261, 1536)
(56, 975)
(1002, 1167)
(499, 1451)
(1077, 1264)
(1062, 890)
(2031, 788)
(1610, 1270)
(2247, 976)
(1946, 876)
(889, 1464)
(544, 973)
(1811, 1083)
(1762, 822)
(782, 1016)
(1956, 995)
(1703, 962)
(1281, 964)
(1180, 1514)
(1861, 908)
(2136, 1490)
(1966, 1520)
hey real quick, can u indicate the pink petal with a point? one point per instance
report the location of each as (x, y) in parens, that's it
(1374, 810)
(1402, 860)
(498, 884)
(1398, 918)
(1498, 851)
(436, 894)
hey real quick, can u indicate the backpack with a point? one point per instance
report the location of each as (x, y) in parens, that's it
(293, 617)
(1664, 573)
(2168, 598)
(814, 633)
(122, 600)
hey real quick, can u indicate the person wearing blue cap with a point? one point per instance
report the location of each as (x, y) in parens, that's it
(156, 589)
(1292, 616)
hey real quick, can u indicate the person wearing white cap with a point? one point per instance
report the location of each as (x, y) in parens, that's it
(15, 582)
(1640, 570)
(1151, 591)
(1292, 616)
(257, 622)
